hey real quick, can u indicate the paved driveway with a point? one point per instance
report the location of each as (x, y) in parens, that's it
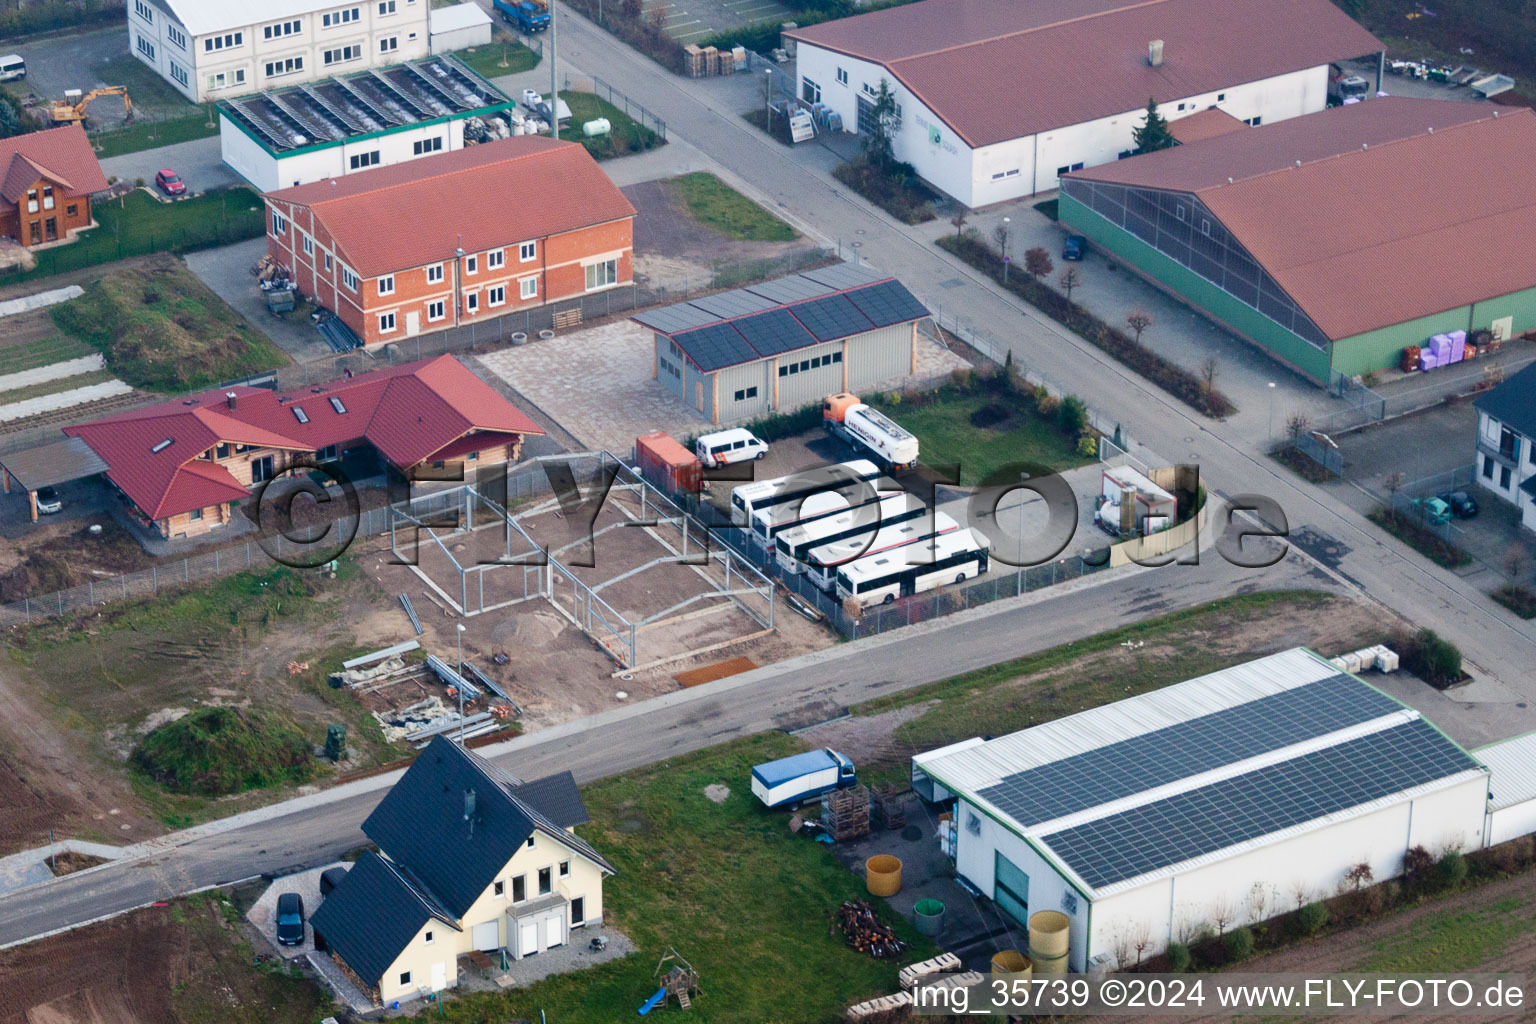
(199, 162)
(227, 270)
(58, 63)
(262, 914)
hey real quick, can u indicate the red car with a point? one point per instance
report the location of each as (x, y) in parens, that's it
(169, 183)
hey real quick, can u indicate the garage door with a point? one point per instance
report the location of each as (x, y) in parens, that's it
(486, 936)
(1011, 888)
(554, 932)
(527, 938)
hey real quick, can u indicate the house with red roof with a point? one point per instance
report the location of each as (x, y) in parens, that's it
(181, 464)
(46, 181)
(445, 240)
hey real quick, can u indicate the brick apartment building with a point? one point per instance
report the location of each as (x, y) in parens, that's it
(445, 240)
(180, 464)
(46, 181)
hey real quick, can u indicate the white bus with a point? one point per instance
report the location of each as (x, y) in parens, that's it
(794, 545)
(760, 494)
(826, 500)
(821, 564)
(874, 579)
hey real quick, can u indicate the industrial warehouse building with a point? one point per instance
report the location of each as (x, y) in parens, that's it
(1149, 814)
(997, 99)
(1336, 240)
(786, 343)
(326, 129)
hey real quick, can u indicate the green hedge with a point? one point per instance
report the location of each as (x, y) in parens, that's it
(52, 15)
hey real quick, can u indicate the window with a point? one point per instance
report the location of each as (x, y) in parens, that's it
(1000, 175)
(336, 403)
(144, 11)
(179, 74)
(224, 79)
(227, 41)
(31, 200)
(1254, 121)
(428, 937)
(600, 275)
(565, 869)
(308, 244)
(579, 910)
(842, 76)
(146, 47)
(427, 146)
(281, 29)
(279, 224)
(435, 310)
(1183, 105)
(221, 451)
(519, 889)
(261, 469)
(300, 415)
(744, 394)
(496, 259)
(73, 210)
(529, 843)
(176, 36)
(1220, 96)
(496, 296)
(389, 45)
(348, 278)
(472, 302)
(1069, 168)
(195, 515)
(47, 197)
(343, 54)
(362, 160)
(435, 273)
(546, 881)
(1504, 477)
(528, 288)
(327, 454)
(809, 91)
(338, 17)
(471, 264)
(405, 978)
(527, 252)
(499, 888)
(386, 7)
(327, 261)
(387, 284)
(1487, 467)
(1205, 227)
(386, 323)
(286, 66)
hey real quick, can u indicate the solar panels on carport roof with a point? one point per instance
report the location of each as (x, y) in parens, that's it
(734, 303)
(715, 346)
(774, 332)
(793, 288)
(1181, 751)
(831, 318)
(682, 316)
(841, 276)
(1258, 803)
(887, 303)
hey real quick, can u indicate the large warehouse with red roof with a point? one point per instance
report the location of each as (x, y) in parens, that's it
(181, 463)
(998, 98)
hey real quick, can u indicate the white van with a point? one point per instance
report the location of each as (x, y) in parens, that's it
(12, 67)
(728, 446)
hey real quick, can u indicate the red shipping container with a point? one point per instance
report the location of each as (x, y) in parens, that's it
(668, 464)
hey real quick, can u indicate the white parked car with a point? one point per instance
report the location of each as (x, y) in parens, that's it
(728, 446)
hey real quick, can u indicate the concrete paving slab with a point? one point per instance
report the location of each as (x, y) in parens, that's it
(53, 371)
(63, 399)
(262, 914)
(10, 307)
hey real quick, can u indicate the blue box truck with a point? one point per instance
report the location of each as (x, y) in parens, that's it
(791, 780)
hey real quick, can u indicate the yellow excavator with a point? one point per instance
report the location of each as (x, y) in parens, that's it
(71, 109)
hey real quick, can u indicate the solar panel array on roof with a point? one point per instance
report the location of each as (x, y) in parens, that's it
(737, 302)
(839, 276)
(1180, 751)
(1258, 803)
(886, 303)
(795, 288)
(831, 318)
(774, 332)
(714, 346)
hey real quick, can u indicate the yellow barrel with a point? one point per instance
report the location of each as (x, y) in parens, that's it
(1012, 962)
(1045, 966)
(882, 875)
(1048, 934)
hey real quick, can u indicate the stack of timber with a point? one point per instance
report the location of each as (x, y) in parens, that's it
(865, 932)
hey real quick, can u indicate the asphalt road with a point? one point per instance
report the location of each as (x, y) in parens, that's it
(790, 695)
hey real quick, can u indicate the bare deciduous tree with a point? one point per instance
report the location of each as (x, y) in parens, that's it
(1296, 424)
(1516, 561)
(1258, 901)
(1394, 482)
(1141, 938)
(1208, 371)
(1222, 914)
(1301, 892)
(1138, 320)
(1069, 280)
(958, 220)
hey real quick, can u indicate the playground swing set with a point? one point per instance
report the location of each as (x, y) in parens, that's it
(676, 978)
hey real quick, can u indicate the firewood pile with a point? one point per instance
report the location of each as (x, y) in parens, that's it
(865, 932)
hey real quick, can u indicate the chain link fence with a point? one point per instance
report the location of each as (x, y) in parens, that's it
(633, 110)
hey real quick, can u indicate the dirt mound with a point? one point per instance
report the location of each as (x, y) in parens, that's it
(215, 751)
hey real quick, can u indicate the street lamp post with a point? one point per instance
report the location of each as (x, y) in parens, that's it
(459, 668)
(1006, 222)
(1271, 410)
(768, 101)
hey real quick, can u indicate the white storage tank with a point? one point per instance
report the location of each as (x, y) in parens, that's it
(599, 126)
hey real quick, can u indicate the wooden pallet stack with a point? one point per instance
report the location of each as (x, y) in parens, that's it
(711, 60)
(845, 813)
(865, 932)
(693, 61)
(889, 811)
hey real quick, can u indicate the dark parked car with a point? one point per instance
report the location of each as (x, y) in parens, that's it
(1463, 505)
(290, 919)
(331, 879)
(1074, 247)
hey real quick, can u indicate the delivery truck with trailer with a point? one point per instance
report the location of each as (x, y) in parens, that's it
(870, 431)
(801, 777)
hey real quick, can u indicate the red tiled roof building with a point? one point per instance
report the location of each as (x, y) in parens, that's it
(46, 181)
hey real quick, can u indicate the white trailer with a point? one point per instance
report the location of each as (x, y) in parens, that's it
(870, 431)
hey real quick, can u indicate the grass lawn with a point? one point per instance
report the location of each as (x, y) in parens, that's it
(1454, 939)
(713, 202)
(153, 134)
(137, 223)
(43, 352)
(162, 329)
(947, 438)
(149, 92)
(728, 885)
(626, 135)
(485, 61)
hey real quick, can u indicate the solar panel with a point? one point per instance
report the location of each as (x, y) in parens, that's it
(831, 318)
(840, 276)
(794, 288)
(681, 316)
(737, 302)
(714, 346)
(774, 332)
(1179, 751)
(1258, 803)
(887, 303)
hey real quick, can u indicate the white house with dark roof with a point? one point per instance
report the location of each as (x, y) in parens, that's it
(1156, 814)
(1506, 443)
(471, 859)
(996, 99)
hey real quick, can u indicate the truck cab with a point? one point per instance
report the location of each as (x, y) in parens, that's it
(789, 781)
(527, 16)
